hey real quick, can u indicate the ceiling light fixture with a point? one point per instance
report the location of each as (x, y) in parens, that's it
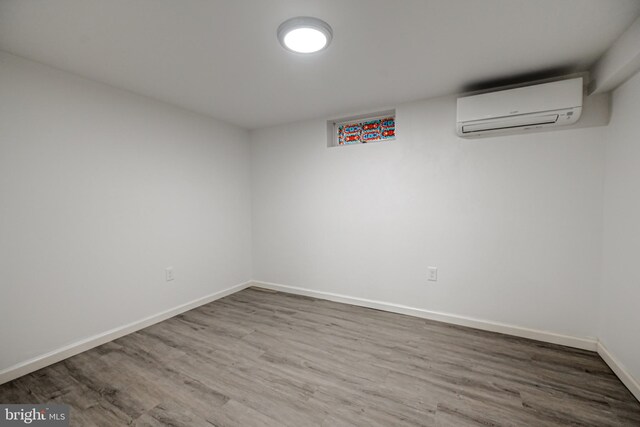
(304, 34)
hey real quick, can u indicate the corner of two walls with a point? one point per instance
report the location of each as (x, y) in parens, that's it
(538, 232)
(619, 296)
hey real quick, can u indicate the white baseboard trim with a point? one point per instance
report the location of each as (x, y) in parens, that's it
(65, 352)
(486, 325)
(618, 368)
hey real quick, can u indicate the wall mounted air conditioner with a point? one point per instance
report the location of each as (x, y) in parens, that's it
(519, 110)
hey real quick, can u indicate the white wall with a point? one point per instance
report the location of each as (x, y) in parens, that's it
(100, 191)
(619, 330)
(513, 223)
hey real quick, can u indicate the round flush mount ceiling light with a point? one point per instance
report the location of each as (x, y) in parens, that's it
(304, 34)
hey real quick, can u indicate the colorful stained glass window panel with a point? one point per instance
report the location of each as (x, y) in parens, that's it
(388, 128)
(349, 133)
(367, 130)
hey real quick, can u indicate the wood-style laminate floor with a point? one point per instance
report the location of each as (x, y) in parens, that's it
(262, 358)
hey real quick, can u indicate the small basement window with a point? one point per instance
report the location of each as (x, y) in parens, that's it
(377, 127)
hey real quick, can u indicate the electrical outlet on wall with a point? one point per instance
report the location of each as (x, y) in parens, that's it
(168, 273)
(432, 274)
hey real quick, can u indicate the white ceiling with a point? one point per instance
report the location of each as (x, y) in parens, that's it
(222, 58)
